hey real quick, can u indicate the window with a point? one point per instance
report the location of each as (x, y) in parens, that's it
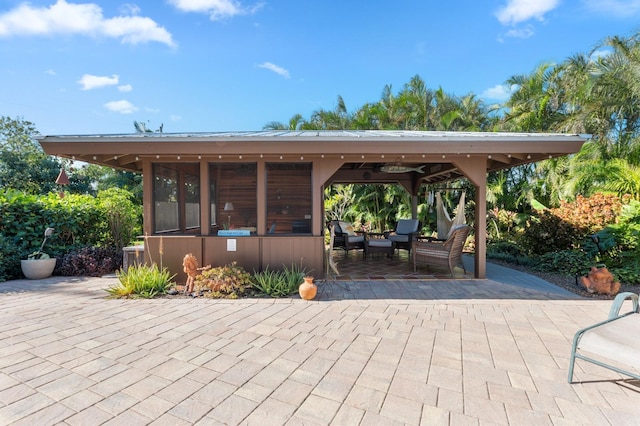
(192, 200)
(176, 197)
(233, 192)
(289, 198)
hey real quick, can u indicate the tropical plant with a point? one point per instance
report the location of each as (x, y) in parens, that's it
(533, 104)
(142, 281)
(619, 244)
(280, 283)
(338, 119)
(567, 226)
(229, 281)
(338, 201)
(141, 127)
(123, 216)
(295, 123)
(566, 262)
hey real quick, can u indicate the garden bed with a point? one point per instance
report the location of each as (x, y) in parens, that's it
(566, 282)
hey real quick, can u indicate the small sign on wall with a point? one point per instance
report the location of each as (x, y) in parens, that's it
(231, 244)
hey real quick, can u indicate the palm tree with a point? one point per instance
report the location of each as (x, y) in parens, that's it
(338, 119)
(295, 123)
(389, 116)
(141, 127)
(474, 115)
(622, 178)
(551, 185)
(533, 106)
(415, 103)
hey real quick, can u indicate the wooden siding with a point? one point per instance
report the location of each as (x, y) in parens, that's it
(252, 253)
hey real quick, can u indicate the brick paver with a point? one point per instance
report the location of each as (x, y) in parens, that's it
(491, 351)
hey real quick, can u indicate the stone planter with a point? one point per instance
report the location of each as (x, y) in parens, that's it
(37, 269)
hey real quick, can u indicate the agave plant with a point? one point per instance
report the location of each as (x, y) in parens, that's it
(142, 281)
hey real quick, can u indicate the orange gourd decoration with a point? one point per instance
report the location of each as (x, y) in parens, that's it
(308, 289)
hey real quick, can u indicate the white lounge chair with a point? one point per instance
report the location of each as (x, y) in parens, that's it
(612, 343)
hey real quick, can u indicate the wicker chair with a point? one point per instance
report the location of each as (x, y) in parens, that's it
(345, 237)
(447, 253)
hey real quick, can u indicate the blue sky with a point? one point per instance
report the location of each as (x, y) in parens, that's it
(75, 67)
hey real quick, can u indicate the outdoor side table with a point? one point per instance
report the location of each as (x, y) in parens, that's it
(372, 246)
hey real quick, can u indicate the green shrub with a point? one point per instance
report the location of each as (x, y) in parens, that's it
(230, 281)
(123, 216)
(505, 247)
(567, 262)
(508, 251)
(281, 283)
(503, 223)
(628, 274)
(9, 260)
(79, 221)
(142, 281)
(549, 233)
(619, 245)
(567, 227)
(510, 258)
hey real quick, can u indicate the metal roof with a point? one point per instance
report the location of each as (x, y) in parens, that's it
(361, 149)
(318, 135)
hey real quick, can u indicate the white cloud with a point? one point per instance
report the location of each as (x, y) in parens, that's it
(500, 92)
(129, 9)
(125, 88)
(89, 81)
(516, 11)
(216, 9)
(275, 68)
(525, 32)
(82, 19)
(123, 107)
(50, 72)
(174, 117)
(621, 8)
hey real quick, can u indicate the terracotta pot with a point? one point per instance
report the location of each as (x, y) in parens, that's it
(37, 269)
(308, 289)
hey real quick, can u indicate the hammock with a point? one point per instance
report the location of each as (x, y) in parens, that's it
(444, 221)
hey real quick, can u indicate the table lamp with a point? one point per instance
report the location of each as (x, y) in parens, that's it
(228, 207)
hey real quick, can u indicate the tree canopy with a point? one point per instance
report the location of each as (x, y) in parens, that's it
(596, 93)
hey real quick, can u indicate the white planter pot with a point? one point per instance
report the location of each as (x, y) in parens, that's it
(37, 269)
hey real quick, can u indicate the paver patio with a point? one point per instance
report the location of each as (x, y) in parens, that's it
(385, 352)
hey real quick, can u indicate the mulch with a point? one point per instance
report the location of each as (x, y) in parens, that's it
(568, 282)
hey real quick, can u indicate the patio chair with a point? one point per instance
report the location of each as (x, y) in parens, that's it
(447, 253)
(405, 233)
(612, 342)
(346, 237)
